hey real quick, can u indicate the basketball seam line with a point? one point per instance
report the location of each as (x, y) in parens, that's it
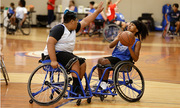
(128, 37)
(123, 40)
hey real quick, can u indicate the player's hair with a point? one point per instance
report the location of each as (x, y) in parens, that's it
(92, 2)
(69, 15)
(142, 29)
(176, 5)
(12, 5)
(23, 3)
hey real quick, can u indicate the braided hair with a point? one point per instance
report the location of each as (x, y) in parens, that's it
(142, 29)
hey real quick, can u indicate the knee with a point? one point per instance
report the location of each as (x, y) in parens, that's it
(100, 60)
(105, 61)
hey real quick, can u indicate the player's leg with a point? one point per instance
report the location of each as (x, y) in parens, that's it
(177, 26)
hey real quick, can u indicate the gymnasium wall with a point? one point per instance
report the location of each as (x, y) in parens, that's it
(131, 9)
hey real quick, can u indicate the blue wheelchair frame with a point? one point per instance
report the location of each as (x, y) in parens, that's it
(87, 93)
(58, 85)
(103, 93)
(69, 85)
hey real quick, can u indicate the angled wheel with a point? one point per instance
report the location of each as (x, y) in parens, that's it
(47, 85)
(4, 71)
(165, 31)
(129, 82)
(110, 32)
(10, 29)
(5, 21)
(25, 28)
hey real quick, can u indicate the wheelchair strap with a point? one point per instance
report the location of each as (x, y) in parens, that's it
(70, 63)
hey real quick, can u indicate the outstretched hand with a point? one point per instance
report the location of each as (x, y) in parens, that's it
(100, 7)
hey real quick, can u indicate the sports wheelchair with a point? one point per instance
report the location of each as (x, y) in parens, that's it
(169, 31)
(97, 27)
(110, 31)
(124, 78)
(25, 28)
(4, 71)
(46, 85)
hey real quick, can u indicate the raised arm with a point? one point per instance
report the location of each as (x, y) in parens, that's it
(86, 21)
(118, 1)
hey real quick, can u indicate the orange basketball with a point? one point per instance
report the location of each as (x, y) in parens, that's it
(127, 38)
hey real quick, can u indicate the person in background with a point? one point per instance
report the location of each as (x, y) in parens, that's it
(50, 7)
(120, 20)
(110, 9)
(91, 6)
(72, 6)
(166, 8)
(174, 15)
(100, 16)
(20, 13)
(11, 10)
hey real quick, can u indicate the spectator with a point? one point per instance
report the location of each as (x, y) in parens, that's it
(11, 10)
(20, 13)
(174, 15)
(91, 6)
(50, 7)
(72, 6)
(110, 9)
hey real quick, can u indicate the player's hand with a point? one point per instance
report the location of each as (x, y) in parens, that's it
(130, 46)
(54, 64)
(118, 37)
(100, 8)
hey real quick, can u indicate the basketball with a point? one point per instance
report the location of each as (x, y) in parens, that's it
(126, 38)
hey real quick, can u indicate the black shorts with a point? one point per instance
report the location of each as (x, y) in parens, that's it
(64, 57)
(113, 60)
(173, 23)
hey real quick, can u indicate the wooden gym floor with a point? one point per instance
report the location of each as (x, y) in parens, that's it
(159, 63)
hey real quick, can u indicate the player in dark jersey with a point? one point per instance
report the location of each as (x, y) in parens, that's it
(174, 15)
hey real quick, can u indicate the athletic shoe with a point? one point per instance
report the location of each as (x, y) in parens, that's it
(48, 26)
(102, 86)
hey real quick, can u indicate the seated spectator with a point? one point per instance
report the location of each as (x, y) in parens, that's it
(91, 6)
(20, 13)
(174, 15)
(10, 10)
(72, 6)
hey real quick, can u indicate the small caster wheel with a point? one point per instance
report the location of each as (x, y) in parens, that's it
(51, 96)
(101, 97)
(114, 93)
(89, 100)
(30, 101)
(78, 102)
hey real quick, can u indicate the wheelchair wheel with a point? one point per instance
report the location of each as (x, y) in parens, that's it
(110, 32)
(25, 28)
(47, 85)
(10, 29)
(129, 82)
(165, 31)
(5, 22)
(4, 71)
